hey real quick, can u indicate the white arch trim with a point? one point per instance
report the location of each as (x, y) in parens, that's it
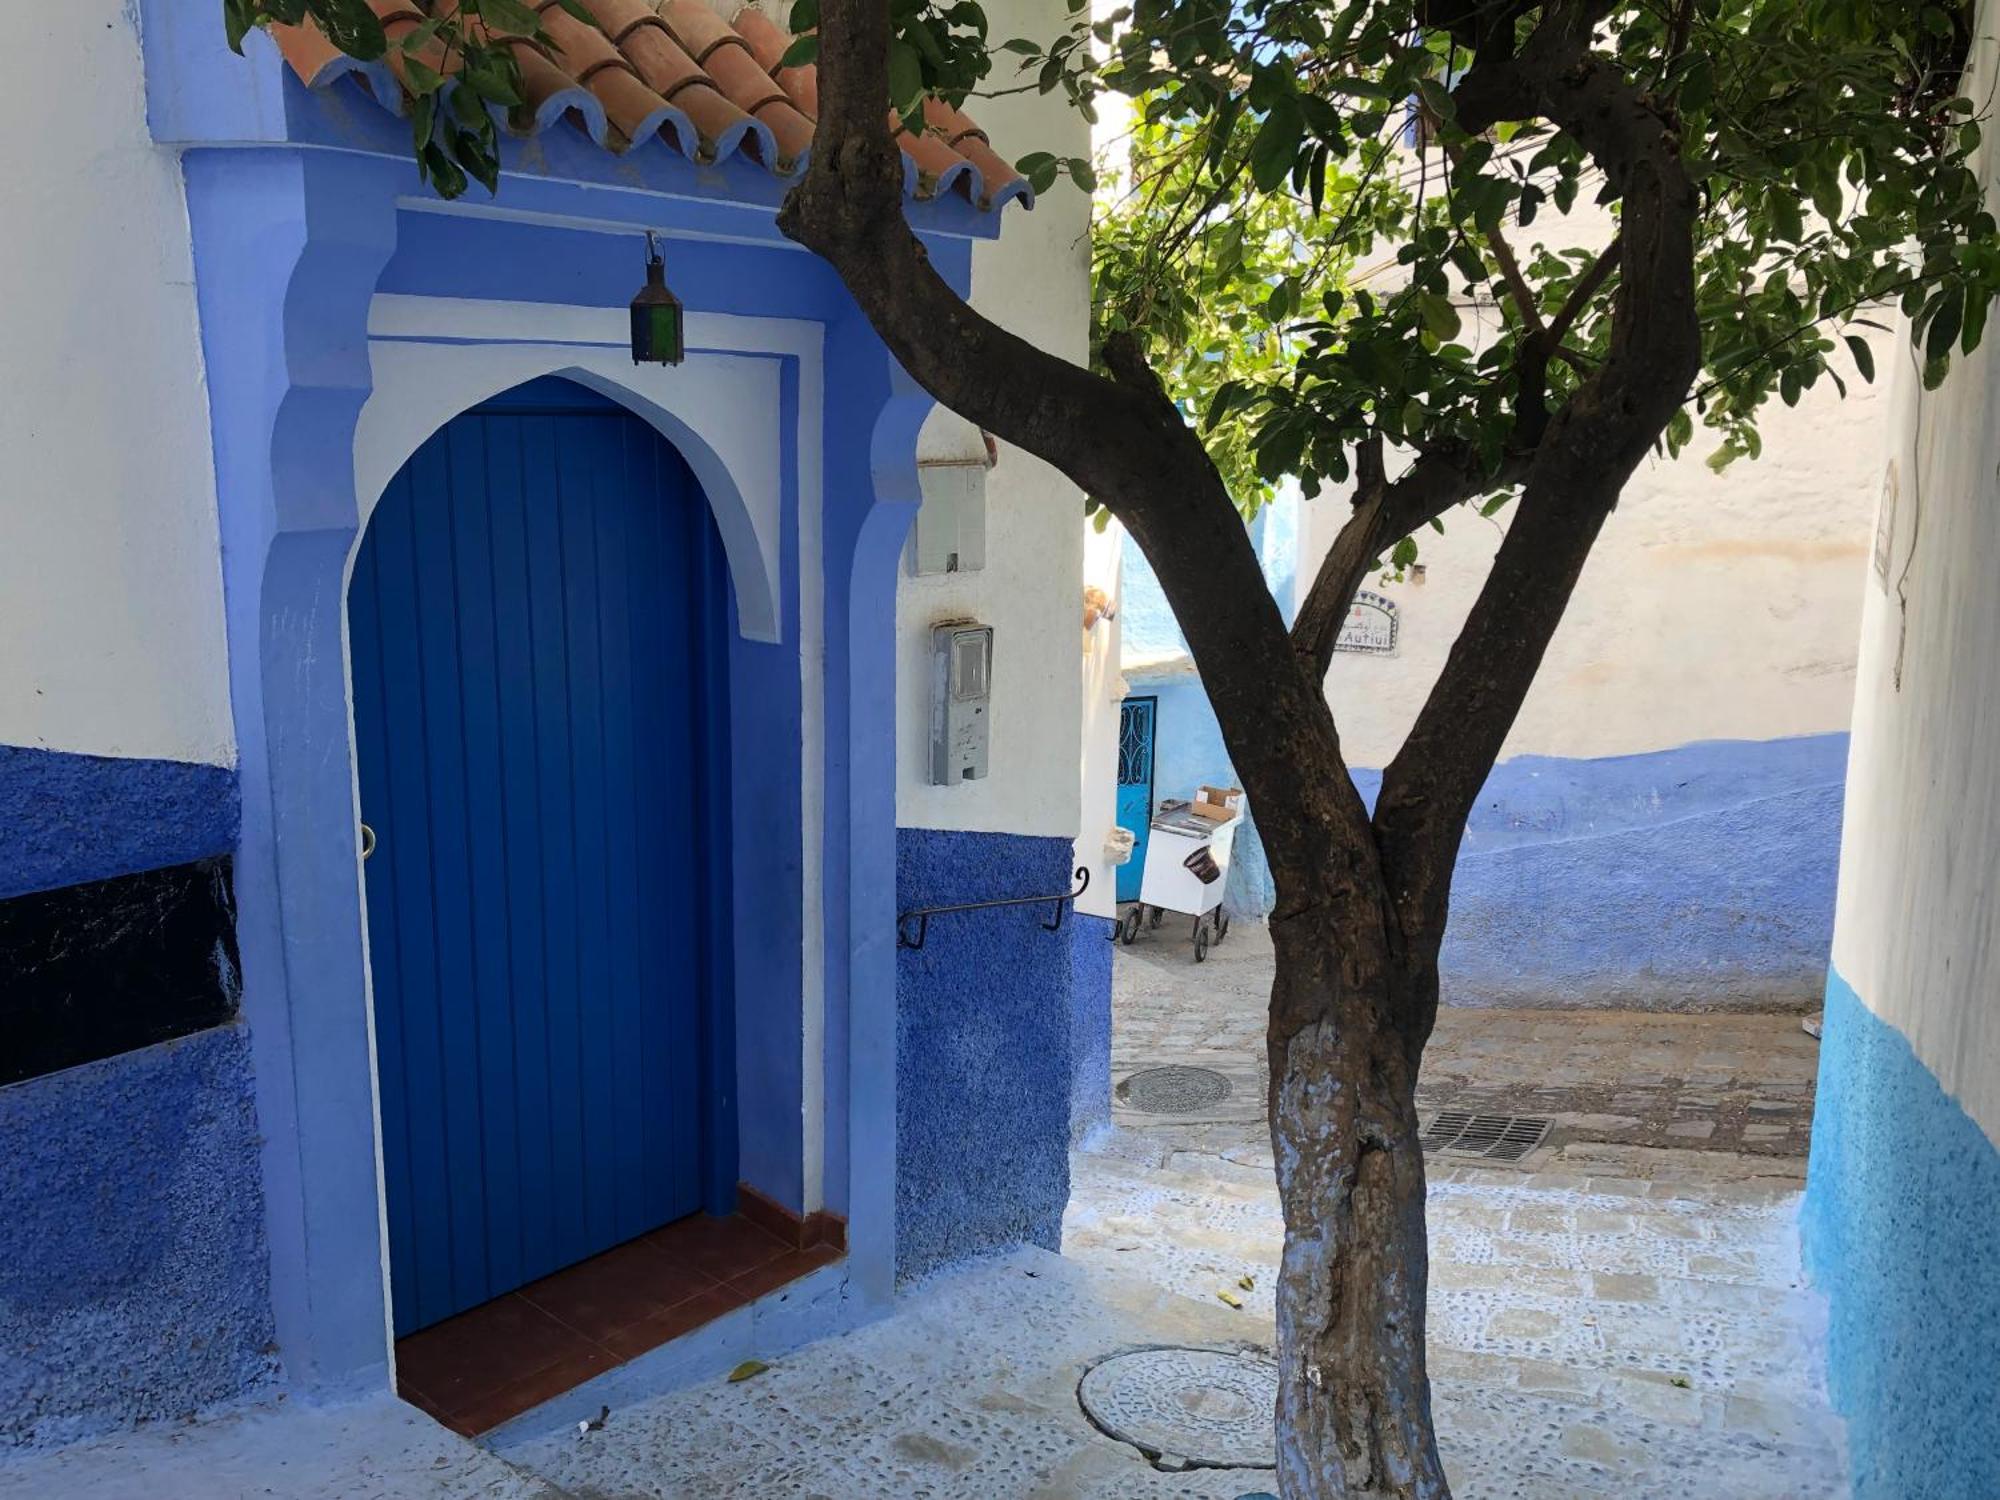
(433, 357)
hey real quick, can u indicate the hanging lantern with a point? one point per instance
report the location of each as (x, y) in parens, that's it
(657, 334)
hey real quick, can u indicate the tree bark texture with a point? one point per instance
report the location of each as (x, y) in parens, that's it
(1362, 902)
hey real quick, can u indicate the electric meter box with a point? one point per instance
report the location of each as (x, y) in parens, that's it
(961, 695)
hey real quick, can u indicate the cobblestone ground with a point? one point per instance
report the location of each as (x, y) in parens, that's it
(1737, 1084)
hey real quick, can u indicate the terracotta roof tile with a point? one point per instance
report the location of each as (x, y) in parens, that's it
(677, 70)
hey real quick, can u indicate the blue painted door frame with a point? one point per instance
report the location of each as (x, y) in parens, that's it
(291, 247)
(1138, 726)
(535, 619)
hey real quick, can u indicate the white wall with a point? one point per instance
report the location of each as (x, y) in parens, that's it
(1103, 692)
(1917, 925)
(1034, 280)
(111, 636)
(1713, 606)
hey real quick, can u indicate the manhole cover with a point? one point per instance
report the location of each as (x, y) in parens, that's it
(1187, 1408)
(1459, 1132)
(1173, 1090)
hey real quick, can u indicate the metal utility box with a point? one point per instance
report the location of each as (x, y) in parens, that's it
(950, 532)
(961, 695)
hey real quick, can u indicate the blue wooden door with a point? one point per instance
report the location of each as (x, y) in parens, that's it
(1136, 722)
(534, 616)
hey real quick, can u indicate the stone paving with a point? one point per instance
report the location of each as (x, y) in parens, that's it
(1620, 1315)
(1729, 1083)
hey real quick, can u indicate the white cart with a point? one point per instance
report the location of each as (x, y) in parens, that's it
(1187, 865)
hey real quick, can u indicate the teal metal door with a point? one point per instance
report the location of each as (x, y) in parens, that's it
(1136, 722)
(535, 616)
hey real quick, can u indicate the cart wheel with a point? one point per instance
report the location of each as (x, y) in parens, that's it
(1159, 915)
(1221, 924)
(1201, 943)
(1129, 933)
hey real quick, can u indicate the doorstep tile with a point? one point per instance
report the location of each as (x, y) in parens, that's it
(469, 1356)
(787, 1268)
(656, 1328)
(717, 1248)
(598, 1296)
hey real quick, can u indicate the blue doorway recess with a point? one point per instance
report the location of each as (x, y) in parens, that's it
(1137, 720)
(538, 620)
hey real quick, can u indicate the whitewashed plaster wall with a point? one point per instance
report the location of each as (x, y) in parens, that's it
(1715, 606)
(1917, 923)
(111, 634)
(1034, 280)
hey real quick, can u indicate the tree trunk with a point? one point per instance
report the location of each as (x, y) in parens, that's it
(1348, 1022)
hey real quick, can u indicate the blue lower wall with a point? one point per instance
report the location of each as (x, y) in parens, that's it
(1089, 1023)
(1694, 877)
(983, 1052)
(1687, 878)
(73, 818)
(1902, 1232)
(134, 1283)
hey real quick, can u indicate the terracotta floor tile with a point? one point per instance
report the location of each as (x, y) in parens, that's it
(598, 1296)
(467, 1357)
(526, 1392)
(658, 1328)
(719, 1248)
(788, 1267)
(491, 1363)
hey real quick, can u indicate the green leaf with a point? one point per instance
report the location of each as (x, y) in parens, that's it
(423, 119)
(906, 76)
(1440, 317)
(1276, 145)
(1975, 323)
(805, 15)
(1403, 554)
(1864, 357)
(1946, 315)
(579, 10)
(803, 50)
(509, 17)
(1083, 174)
(352, 27)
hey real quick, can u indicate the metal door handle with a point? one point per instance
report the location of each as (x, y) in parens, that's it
(367, 841)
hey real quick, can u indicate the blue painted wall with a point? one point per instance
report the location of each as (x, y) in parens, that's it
(133, 1274)
(1693, 877)
(1090, 1022)
(1698, 876)
(1902, 1204)
(73, 818)
(983, 1065)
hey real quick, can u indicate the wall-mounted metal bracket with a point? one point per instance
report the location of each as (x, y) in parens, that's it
(913, 926)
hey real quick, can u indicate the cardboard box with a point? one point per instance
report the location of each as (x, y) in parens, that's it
(1219, 803)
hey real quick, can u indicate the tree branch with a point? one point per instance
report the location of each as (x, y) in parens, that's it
(1120, 439)
(1579, 297)
(1383, 514)
(1591, 447)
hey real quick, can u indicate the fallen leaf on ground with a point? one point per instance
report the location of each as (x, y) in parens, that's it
(1248, 1283)
(1231, 1298)
(748, 1368)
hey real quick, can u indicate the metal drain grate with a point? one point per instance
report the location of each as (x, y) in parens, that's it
(1459, 1132)
(1173, 1090)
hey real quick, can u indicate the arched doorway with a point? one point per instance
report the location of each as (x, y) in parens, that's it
(538, 623)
